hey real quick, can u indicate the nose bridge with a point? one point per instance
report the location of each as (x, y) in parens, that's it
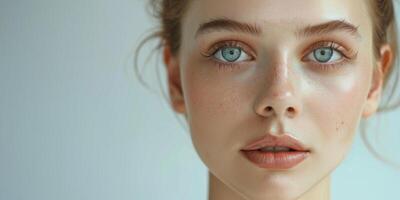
(279, 92)
(278, 77)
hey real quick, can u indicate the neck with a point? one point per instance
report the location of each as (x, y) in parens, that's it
(219, 191)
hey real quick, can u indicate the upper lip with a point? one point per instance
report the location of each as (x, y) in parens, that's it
(286, 140)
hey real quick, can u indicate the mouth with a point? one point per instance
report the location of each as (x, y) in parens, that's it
(271, 152)
(269, 142)
(274, 149)
(282, 160)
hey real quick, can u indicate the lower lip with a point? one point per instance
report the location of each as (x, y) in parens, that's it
(276, 160)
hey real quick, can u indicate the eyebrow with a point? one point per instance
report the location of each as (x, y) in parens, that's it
(228, 25)
(225, 24)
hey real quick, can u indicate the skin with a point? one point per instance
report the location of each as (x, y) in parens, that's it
(226, 107)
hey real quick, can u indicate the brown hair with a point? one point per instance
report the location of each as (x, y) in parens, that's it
(169, 14)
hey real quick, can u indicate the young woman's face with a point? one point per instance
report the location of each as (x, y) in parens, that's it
(279, 77)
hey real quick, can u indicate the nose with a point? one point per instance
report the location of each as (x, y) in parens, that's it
(278, 95)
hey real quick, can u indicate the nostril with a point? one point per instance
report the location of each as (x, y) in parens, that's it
(269, 108)
(291, 112)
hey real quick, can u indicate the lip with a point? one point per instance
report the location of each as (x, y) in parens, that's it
(276, 160)
(285, 140)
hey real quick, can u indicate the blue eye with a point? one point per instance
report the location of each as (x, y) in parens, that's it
(325, 54)
(231, 54)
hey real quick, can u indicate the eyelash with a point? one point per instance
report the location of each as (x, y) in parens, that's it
(225, 65)
(347, 55)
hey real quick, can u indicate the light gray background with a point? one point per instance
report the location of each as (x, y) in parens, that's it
(75, 124)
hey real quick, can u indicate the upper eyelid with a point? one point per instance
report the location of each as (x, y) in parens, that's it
(344, 50)
(231, 43)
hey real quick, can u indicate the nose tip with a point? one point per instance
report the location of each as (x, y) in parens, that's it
(280, 104)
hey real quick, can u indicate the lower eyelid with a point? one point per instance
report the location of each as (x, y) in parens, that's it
(332, 66)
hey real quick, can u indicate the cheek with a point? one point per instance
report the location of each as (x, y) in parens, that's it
(217, 111)
(209, 100)
(212, 97)
(336, 107)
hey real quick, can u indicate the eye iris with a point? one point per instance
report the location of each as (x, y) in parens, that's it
(231, 54)
(323, 54)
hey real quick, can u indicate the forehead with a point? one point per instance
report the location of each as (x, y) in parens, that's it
(277, 14)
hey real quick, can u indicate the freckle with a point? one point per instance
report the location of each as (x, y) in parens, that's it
(339, 125)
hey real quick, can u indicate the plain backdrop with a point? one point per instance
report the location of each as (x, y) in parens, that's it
(76, 124)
